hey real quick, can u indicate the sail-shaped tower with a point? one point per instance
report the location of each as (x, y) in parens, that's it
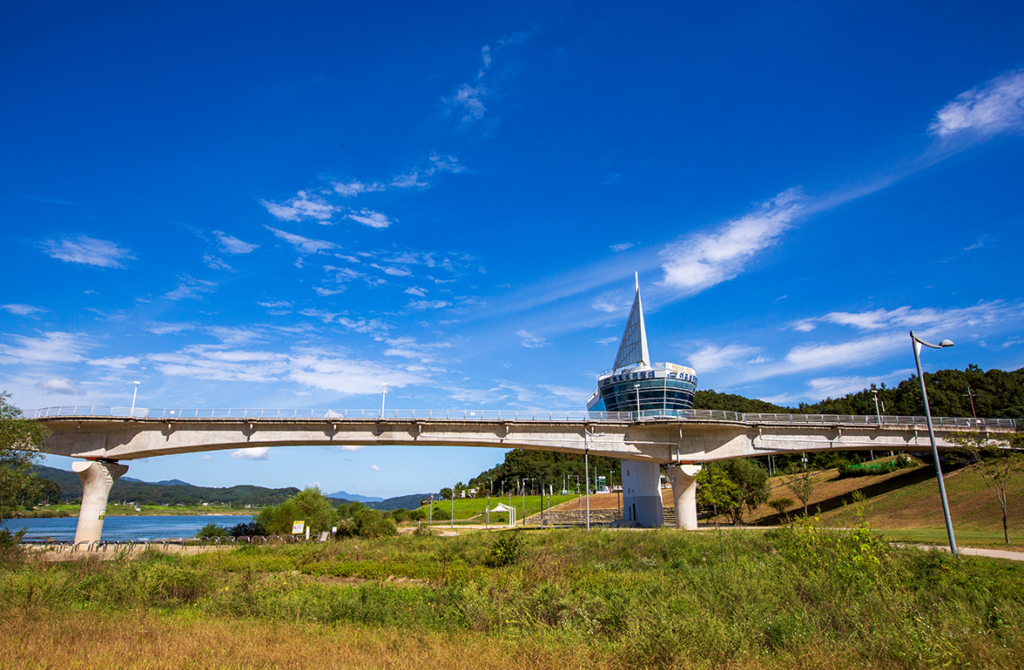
(635, 384)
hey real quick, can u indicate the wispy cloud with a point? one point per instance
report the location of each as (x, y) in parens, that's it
(700, 261)
(252, 454)
(215, 263)
(302, 206)
(711, 358)
(22, 310)
(88, 251)
(190, 287)
(116, 362)
(413, 290)
(355, 187)
(53, 347)
(439, 163)
(470, 97)
(304, 245)
(531, 341)
(994, 107)
(370, 218)
(576, 396)
(907, 318)
(375, 468)
(408, 347)
(622, 247)
(429, 304)
(233, 245)
(161, 328)
(59, 387)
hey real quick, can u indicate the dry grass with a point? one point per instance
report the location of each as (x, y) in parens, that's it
(116, 641)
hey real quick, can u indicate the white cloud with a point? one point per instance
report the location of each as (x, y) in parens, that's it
(375, 468)
(804, 326)
(408, 347)
(323, 315)
(711, 357)
(207, 457)
(22, 310)
(304, 245)
(302, 206)
(54, 347)
(368, 217)
(531, 341)
(325, 292)
(408, 180)
(215, 263)
(234, 336)
(906, 317)
(700, 261)
(233, 245)
(393, 271)
(413, 290)
(160, 328)
(605, 341)
(117, 362)
(577, 396)
(439, 163)
(622, 247)
(470, 97)
(190, 287)
(372, 327)
(994, 107)
(88, 251)
(353, 188)
(837, 387)
(865, 350)
(275, 304)
(348, 376)
(610, 304)
(59, 387)
(428, 304)
(252, 454)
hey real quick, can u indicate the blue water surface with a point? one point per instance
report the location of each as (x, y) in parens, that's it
(123, 527)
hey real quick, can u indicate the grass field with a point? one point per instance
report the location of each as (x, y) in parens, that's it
(472, 509)
(799, 597)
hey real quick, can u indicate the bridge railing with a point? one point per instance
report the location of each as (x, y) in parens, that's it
(92, 411)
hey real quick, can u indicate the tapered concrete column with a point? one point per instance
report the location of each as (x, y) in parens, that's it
(684, 491)
(97, 478)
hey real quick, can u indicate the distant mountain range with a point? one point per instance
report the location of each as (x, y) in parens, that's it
(355, 497)
(166, 482)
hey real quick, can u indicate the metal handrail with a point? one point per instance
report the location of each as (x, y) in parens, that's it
(215, 414)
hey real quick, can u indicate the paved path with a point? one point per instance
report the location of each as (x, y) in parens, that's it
(988, 553)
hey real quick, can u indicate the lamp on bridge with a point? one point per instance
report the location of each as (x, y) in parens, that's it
(918, 343)
(134, 396)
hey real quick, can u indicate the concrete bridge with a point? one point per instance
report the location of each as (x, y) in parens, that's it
(682, 440)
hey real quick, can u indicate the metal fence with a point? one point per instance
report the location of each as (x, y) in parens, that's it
(87, 411)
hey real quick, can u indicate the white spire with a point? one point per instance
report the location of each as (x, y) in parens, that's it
(633, 348)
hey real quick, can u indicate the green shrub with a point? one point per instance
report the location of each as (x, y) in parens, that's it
(441, 514)
(508, 549)
(212, 530)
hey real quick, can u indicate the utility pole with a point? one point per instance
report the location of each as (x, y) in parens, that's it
(971, 396)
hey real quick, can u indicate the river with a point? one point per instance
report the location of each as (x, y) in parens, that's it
(123, 527)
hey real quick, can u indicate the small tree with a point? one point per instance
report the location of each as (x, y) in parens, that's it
(996, 460)
(716, 490)
(801, 483)
(446, 494)
(751, 480)
(780, 504)
(20, 440)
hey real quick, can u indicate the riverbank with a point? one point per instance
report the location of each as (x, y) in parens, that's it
(60, 511)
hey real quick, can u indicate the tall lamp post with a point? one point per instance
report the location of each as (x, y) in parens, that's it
(918, 343)
(383, 394)
(586, 462)
(134, 395)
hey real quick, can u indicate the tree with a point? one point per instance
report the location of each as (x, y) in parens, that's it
(996, 460)
(751, 480)
(780, 504)
(716, 490)
(801, 483)
(446, 494)
(20, 440)
(314, 508)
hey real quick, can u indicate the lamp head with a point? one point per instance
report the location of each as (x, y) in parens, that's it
(946, 343)
(137, 383)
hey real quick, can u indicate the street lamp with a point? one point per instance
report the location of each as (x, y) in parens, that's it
(918, 343)
(134, 395)
(586, 461)
(383, 394)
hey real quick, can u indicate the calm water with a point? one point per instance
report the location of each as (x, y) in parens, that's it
(124, 527)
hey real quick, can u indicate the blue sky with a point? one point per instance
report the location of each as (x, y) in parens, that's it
(263, 206)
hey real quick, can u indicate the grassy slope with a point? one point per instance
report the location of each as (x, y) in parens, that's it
(470, 509)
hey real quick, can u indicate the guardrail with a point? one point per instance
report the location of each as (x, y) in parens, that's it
(87, 411)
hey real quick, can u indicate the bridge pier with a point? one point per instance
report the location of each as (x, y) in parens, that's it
(641, 493)
(684, 492)
(97, 479)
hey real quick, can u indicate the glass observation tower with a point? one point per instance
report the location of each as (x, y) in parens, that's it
(637, 385)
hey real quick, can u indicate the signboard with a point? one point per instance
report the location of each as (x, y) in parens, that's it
(298, 527)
